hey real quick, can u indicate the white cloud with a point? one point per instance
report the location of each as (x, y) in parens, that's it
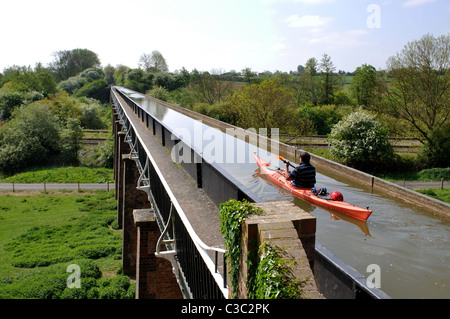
(413, 3)
(308, 21)
(338, 40)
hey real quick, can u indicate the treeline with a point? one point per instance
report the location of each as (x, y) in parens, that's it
(409, 99)
(43, 111)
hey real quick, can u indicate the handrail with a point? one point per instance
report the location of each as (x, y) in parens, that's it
(200, 245)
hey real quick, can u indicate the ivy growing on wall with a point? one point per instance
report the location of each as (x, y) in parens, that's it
(232, 214)
(269, 274)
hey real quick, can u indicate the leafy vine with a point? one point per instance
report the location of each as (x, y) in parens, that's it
(269, 274)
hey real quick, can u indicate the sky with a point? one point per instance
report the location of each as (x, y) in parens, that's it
(263, 35)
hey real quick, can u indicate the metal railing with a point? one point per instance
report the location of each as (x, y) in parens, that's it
(195, 264)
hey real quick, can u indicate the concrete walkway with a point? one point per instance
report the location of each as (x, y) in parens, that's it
(52, 186)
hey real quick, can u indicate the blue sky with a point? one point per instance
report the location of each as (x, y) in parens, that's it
(227, 35)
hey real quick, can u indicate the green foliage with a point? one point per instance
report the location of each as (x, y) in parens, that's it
(232, 214)
(135, 79)
(106, 153)
(360, 141)
(159, 92)
(269, 275)
(91, 117)
(24, 79)
(364, 85)
(117, 287)
(9, 100)
(63, 175)
(323, 117)
(77, 235)
(71, 141)
(168, 81)
(27, 139)
(439, 194)
(265, 105)
(63, 106)
(273, 279)
(436, 151)
(419, 92)
(87, 237)
(72, 84)
(97, 89)
(434, 174)
(68, 63)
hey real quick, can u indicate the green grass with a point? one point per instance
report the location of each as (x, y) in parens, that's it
(63, 175)
(437, 193)
(41, 234)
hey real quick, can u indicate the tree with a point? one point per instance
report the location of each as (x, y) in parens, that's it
(97, 89)
(25, 79)
(365, 85)
(210, 88)
(308, 81)
(329, 79)
(29, 138)
(69, 63)
(71, 141)
(154, 62)
(265, 105)
(360, 141)
(419, 93)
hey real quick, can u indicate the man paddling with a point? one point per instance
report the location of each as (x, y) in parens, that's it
(304, 175)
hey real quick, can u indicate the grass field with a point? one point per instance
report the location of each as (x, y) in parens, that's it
(62, 175)
(41, 234)
(437, 193)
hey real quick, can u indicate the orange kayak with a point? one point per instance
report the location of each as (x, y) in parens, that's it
(276, 176)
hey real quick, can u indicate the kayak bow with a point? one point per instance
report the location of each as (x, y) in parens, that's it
(276, 176)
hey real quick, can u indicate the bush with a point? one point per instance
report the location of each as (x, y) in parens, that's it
(434, 174)
(72, 84)
(436, 151)
(29, 138)
(97, 89)
(91, 117)
(159, 92)
(9, 100)
(360, 141)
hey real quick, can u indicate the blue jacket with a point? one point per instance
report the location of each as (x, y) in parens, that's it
(303, 176)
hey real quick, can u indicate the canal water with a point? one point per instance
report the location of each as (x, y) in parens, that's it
(409, 246)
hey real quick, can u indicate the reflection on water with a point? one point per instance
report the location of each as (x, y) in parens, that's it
(410, 246)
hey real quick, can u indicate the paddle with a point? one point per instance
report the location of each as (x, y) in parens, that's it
(281, 158)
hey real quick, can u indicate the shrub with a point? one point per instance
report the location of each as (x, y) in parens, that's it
(359, 140)
(72, 84)
(436, 151)
(97, 89)
(28, 138)
(272, 279)
(434, 174)
(8, 101)
(159, 92)
(232, 214)
(118, 287)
